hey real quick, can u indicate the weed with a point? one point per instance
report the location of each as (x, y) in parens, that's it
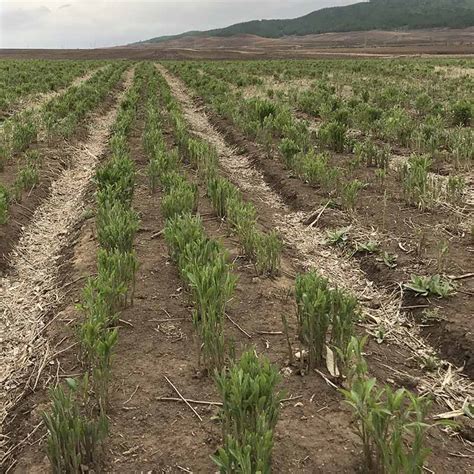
(389, 259)
(431, 315)
(338, 237)
(442, 255)
(434, 285)
(371, 246)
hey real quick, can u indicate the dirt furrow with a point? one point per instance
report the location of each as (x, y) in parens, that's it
(382, 310)
(31, 290)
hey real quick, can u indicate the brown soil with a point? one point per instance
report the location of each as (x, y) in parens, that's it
(357, 43)
(156, 338)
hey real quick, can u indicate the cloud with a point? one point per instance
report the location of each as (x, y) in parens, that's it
(99, 23)
(15, 18)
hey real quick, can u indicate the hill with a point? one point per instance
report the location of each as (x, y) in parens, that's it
(372, 15)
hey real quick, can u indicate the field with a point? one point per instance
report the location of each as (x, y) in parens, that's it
(237, 266)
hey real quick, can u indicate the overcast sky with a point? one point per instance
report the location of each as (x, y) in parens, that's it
(96, 23)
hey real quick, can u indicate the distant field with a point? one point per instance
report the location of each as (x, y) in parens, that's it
(433, 42)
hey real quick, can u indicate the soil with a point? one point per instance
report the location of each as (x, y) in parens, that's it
(329, 45)
(156, 339)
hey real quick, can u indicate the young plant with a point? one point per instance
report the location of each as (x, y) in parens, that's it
(249, 415)
(116, 226)
(433, 285)
(320, 309)
(180, 199)
(333, 136)
(338, 237)
(349, 194)
(267, 248)
(391, 425)
(417, 187)
(221, 191)
(242, 217)
(212, 285)
(4, 202)
(74, 437)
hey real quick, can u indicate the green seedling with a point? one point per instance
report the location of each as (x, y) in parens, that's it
(338, 237)
(249, 414)
(433, 285)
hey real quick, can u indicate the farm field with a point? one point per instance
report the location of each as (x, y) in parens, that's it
(237, 266)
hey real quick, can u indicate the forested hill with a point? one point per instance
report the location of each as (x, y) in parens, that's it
(372, 15)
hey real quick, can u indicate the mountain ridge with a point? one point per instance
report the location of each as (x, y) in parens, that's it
(366, 16)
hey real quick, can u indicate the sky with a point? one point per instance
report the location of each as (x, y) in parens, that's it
(102, 23)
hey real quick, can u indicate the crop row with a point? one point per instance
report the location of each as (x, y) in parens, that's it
(77, 423)
(313, 158)
(59, 117)
(203, 265)
(326, 317)
(321, 87)
(20, 79)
